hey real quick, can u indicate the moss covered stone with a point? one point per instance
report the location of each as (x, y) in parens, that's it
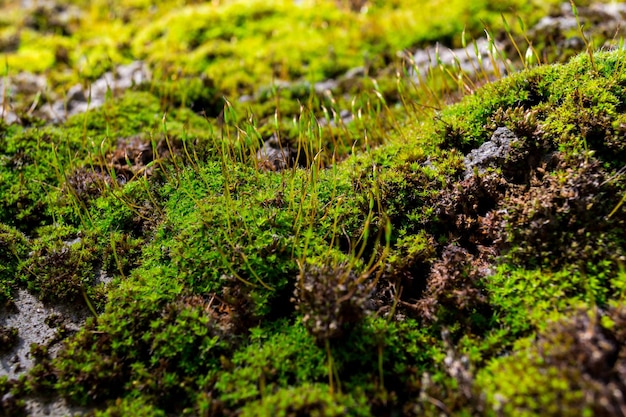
(393, 264)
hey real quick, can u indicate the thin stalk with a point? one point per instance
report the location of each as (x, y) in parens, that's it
(588, 45)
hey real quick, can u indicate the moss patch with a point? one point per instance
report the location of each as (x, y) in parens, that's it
(403, 260)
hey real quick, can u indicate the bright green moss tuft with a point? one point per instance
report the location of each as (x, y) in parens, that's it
(526, 300)
(308, 399)
(575, 368)
(14, 248)
(130, 406)
(272, 359)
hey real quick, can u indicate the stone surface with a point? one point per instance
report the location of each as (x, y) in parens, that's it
(425, 60)
(78, 99)
(32, 318)
(490, 154)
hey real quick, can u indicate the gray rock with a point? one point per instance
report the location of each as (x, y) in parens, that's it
(30, 320)
(56, 15)
(342, 118)
(490, 154)
(465, 59)
(324, 86)
(76, 93)
(550, 23)
(616, 11)
(29, 84)
(346, 116)
(79, 100)
(9, 116)
(598, 18)
(357, 72)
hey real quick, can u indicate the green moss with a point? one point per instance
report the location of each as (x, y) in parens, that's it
(349, 283)
(564, 373)
(238, 227)
(236, 242)
(144, 347)
(62, 265)
(217, 41)
(527, 299)
(136, 112)
(308, 399)
(130, 406)
(396, 351)
(28, 173)
(462, 125)
(14, 248)
(99, 36)
(272, 359)
(578, 95)
(36, 54)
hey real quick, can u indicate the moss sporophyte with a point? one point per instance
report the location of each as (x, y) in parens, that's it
(312, 208)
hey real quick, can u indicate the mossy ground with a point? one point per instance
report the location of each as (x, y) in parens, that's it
(376, 274)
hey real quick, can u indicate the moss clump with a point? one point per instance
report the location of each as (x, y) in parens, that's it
(8, 338)
(61, 266)
(166, 365)
(575, 368)
(27, 168)
(14, 248)
(307, 400)
(349, 280)
(331, 300)
(571, 205)
(10, 403)
(272, 359)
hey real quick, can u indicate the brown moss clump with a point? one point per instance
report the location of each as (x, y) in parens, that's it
(562, 218)
(86, 183)
(63, 274)
(596, 351)
(464, 210)
(236, 307)
(466, 219)
(69, 266)
(132, 158)
(453, 288)
(8, 338)
(10, 404)
(330, 298)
